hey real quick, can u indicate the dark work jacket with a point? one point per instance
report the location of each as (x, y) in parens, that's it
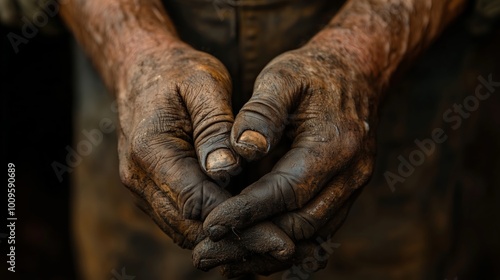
(245, 35)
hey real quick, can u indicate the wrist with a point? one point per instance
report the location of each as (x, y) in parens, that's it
(115, 33)
(352, 67)
(139, 59)
(381, 36)
(367, 52)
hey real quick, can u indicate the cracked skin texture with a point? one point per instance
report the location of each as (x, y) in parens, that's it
(178, 136)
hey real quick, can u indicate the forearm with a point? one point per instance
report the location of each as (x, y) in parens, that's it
(379, 35)
(115, 33)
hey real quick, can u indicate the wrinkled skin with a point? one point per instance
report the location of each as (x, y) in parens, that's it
(179, 143)
(157, 143)
(175, 122)
(177, 115)
(332, 153)
(327, 94)
(327, 111)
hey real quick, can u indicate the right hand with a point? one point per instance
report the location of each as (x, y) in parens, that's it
(175, 115)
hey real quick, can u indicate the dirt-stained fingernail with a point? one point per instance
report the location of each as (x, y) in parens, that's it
(253, 140)
(220, 159)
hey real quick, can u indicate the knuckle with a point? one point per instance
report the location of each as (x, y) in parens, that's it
(138, 147)
(298, 226)
(126, 176)
(190, 204)
(277, 75)
(263, 115)
(132, 178)
(213, 129)
(361, 174)
(210, 72)
(351, 139)
(126, 172)
(145, 154)
(283, 188)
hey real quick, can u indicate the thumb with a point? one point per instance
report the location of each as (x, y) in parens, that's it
(208, 101)
(262, 239)
(260, 123)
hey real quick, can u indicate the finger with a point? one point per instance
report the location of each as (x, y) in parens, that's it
(330, 206)
(305, 222)
(315, 157)
(260, 123)
(153, 201)
(172, 165)
(262, 239)
(207, 96)
(162, 148)
(185, 233)
(208, 254)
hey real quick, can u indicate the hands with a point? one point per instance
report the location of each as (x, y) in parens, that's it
(178, 139)
(175, 113)
(315, 92)
(327, 94)
(177, 134)
(176, 118)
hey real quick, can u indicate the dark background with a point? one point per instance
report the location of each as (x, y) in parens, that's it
(35, 87)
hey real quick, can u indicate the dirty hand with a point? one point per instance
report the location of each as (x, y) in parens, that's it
(175, 116)
(327, 94)
(326, 104)
(174, 148)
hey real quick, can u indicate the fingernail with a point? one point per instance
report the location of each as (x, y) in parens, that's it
(217, 232)
(220, 159)
(253, 139)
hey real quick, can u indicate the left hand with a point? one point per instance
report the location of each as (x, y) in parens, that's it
(330, 107)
